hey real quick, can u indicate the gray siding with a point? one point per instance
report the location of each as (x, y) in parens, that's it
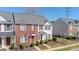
(60, 28)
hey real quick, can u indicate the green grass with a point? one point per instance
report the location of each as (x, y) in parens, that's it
(69, 48)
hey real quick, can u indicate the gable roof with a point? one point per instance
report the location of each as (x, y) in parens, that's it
(21, 18)
(50, 22)
(67, 21)
(7, 16)
(29, 19)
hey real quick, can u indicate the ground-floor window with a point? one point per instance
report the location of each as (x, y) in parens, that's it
(22, 39)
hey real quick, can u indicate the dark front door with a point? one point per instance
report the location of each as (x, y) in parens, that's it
(7, 40)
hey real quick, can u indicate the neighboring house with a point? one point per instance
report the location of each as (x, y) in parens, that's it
(76, 26)
(46, 30)
(6, 29)
(63, 26)
(22, 28)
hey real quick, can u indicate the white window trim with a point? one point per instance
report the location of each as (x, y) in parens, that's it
(22, 39)
(23, 27)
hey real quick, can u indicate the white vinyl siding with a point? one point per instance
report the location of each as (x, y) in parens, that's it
(22, 39)
(32, 27)
(22, 27)
(49, 36)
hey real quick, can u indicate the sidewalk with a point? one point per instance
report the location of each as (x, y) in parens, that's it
(61, 47)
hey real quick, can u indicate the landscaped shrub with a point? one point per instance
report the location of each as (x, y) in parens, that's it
(32, 44)
(74, 38)
(41, 42)
(37, 43)
(12, 46)
(70, 37)
(54, 39)
(46, 42)
(21, 46)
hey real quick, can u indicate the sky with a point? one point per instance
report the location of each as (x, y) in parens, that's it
(51, 13)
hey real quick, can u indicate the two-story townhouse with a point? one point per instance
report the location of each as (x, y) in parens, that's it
(76, 26)
(6, 29)
(63, 26)
(46, 30)
(26, 27)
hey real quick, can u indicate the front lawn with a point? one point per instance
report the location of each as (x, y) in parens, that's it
(68, 49)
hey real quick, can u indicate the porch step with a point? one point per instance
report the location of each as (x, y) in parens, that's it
(46, 45)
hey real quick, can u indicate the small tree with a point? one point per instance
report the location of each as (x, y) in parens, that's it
(54, 39)
(12, 47)
(32, 44)
(21, 46)
(41, 42)
(37, 43)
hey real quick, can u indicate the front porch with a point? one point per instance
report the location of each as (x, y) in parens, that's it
(6, 41)
(6, 38)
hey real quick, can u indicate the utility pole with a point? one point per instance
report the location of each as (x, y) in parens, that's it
(14, 28)
(67, 12)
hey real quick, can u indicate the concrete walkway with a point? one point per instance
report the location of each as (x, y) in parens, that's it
(61, 47)
(37, 48)
(47, 46)
(7, 48)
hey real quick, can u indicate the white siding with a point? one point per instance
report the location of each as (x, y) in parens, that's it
(47, 31)
(2, 27)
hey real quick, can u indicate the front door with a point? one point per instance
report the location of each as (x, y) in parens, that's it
(7, 40)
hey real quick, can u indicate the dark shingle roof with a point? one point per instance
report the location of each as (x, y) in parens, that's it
(21, 18)
(67, 21)
(29, 19)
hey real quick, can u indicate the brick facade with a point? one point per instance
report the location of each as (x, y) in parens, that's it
(28, 32)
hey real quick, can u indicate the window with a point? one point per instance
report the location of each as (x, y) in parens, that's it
(8, 27)
(22, 39)
(22, 27)
(41, 27)
(47, 27)
(32, 27)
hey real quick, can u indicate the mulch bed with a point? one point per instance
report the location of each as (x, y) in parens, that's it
(2, 49)
(30, 49)
(41, 46)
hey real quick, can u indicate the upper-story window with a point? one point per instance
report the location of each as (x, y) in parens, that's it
(8, 27)
(22, 27)
(32, 27)
(47, 27)
(41, 27)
